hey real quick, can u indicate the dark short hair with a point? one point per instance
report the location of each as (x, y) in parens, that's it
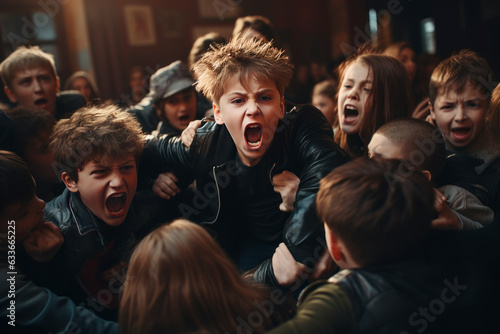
(327, 88)
(29, 122)
(420, 142)
(259, 23)
(380, 209)
(203, 44)
(16, 184)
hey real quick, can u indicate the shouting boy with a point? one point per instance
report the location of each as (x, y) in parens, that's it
(234, 159)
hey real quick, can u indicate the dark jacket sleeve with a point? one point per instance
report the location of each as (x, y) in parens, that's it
(168, 153)
(37, 307)
(312, 148)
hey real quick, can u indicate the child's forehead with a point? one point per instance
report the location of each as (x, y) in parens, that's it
(238, 80)
(108, 161)
(467, 89)
(31, 70)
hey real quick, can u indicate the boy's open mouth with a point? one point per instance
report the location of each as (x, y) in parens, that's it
(41, 103)
(116, 203)
(184, 118)
(461, 133)
(350, 113)
(253, 135)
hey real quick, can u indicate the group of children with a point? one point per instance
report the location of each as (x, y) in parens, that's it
(277, 201)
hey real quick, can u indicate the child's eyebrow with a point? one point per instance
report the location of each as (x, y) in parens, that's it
(23, 77)
(237, 93)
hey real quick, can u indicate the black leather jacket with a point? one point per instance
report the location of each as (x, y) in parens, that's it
(303, 144)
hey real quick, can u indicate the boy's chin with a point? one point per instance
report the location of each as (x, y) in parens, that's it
(115, 221)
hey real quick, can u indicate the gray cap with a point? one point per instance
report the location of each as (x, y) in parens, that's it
(170, 80)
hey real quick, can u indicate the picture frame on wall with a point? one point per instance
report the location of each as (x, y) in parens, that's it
(139, 22)
(171, 22)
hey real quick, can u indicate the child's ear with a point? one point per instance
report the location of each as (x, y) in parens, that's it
(427, 174)
(333, 245)
(217, 115)
(10, 94)
(69, 182)
(433, 115)
(158, 111)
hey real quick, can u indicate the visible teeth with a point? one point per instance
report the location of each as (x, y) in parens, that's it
(253, 126)
(254, 144)
(117, 195)
(351, 108)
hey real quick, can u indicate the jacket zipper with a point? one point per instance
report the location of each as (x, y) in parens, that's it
(218, 196)
(270, 173)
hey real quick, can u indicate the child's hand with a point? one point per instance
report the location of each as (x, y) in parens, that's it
(44, 242)
(188, 134)
(447, 219)
(286, 269)
(325, 267)
(286, 183)
(165, 186)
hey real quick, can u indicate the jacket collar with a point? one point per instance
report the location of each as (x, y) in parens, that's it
(226, 149)
(84, 219)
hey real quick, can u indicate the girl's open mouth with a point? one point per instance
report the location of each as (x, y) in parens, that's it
(253, 135)
(350, 113)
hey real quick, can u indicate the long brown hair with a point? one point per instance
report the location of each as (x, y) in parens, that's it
(181, 281)
(390, 96)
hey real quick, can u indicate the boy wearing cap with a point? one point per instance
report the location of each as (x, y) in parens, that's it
(171, 103)
(234, 159)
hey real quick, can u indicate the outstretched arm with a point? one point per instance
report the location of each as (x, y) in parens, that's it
(311, 145)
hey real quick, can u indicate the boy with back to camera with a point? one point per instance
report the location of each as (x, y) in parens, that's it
(420, 144)
(376, 235)
(30, 79)
(24, 306)
(234, 159)
(96, 152)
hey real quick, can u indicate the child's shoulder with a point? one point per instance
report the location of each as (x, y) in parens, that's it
(305, 119)
(59, 212)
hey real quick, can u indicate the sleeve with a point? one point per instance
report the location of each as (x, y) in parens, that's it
(325, 310)
(167, 153)
(471, 212)
(316, 154)
(36, 307)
